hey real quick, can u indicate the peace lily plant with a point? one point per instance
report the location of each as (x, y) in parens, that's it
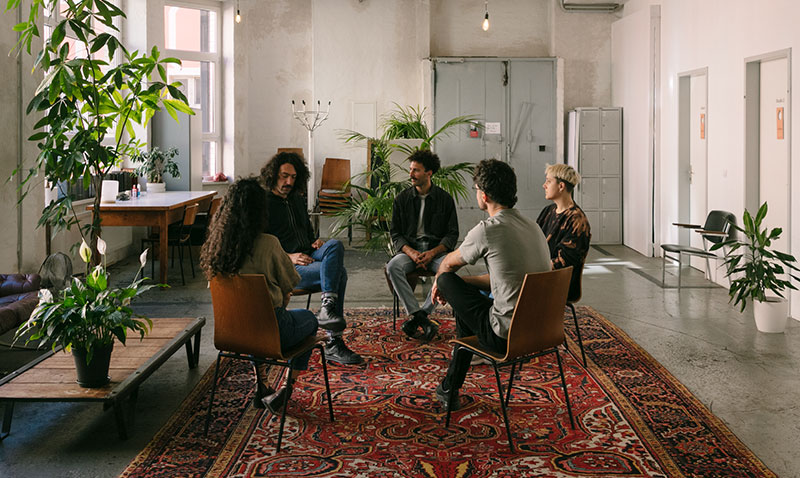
(86, 317)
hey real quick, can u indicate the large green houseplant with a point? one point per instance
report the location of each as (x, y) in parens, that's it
(758, 273)
(88, 106)
(87, 316)
(370, 207)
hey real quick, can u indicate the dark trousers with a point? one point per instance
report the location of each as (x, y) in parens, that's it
(471, 309)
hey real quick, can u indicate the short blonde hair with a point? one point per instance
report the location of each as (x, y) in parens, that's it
(564, 172)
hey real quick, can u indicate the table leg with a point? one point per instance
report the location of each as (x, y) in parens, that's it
(162, 249)
(119, 414)
(9, 411)
(193, 350)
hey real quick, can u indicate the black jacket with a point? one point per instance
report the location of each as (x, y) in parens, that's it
(439, 218)
(289, 222)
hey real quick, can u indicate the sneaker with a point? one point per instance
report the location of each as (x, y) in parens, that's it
(261, 392)
(410, 326)
(444, 395)
(337, 351)
(429, 330)
(328, 318)
(275, 401)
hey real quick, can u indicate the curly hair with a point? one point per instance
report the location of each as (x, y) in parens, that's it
(269, 173)
(428, 159)
(242, 216)
(498, 180)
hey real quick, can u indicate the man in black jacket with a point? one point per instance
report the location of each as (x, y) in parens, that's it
(424, 228)
(319, 263)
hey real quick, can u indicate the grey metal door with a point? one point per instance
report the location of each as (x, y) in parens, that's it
(516, 101)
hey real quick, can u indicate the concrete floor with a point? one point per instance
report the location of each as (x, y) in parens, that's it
(748, 379)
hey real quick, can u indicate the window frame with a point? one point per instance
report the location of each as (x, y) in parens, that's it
(216, 58)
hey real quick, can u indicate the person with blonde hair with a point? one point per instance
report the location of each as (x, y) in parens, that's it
(564, 224)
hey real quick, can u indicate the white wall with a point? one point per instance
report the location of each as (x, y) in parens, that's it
(719, 35)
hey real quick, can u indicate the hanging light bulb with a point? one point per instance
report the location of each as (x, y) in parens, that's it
(238, 15)
(486, 17)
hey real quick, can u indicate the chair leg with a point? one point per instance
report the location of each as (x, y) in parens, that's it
(211, 398)
(510, 382)
(564, 384)
(308, 302)
(180, 259)
(191, 262)
(327, 384)
(578, 332)
(452, 392)
(680, 269)
(503, 406)
(289, 383)
(663, 268)
(395, 309)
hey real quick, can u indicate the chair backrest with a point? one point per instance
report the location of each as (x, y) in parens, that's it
(189, 215)
(538, 320)
(292, 150)
(244, 318)
(215, 203)
(335, 173)
(720, 221)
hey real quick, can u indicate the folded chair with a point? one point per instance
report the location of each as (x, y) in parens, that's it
(245, 328)
(716, 229)
(333, 195)
(537, 329)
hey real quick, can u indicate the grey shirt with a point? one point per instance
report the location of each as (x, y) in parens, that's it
(511, 246)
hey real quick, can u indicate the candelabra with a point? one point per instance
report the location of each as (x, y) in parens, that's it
(311, 119)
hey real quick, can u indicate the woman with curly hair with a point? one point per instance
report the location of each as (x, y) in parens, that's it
(237, 245)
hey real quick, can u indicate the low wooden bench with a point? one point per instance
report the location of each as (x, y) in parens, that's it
(52, 378)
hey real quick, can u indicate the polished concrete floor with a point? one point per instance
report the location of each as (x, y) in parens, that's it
(748, 379)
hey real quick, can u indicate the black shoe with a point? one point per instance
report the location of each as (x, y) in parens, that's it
(429, 330)
(275, 401)
(337, 351)
(410, 326)
(261, 392)
(328, 318)
(444, 395)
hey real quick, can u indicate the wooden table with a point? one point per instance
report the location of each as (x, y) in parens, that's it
(159, 210)
(52, 377)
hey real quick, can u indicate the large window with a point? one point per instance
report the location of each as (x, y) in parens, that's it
(191, 33)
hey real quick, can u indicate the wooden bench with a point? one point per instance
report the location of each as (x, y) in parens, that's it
(52, 378)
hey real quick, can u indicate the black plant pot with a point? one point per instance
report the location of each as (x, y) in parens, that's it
(95, 373)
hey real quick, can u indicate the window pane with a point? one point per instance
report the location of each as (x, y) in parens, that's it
(199, 86)
(190, 29)
(209, 158)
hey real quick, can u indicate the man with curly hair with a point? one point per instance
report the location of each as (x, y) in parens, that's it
(511, 246)
(424, 228)
(319, 263)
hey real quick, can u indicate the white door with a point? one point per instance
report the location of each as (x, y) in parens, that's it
(773, 163)
(698, 164)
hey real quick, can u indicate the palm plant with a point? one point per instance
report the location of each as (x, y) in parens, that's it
(370, 207)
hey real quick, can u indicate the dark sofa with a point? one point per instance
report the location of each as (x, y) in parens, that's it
(19, 294)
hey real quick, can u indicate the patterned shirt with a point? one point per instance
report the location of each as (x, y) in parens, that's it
(568, 236)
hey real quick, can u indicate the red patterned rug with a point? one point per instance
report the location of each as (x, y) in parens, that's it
(632, 417)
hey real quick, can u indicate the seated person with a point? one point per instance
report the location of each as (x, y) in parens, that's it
(511, 246)
(319, 263)
(424, 228)
(564, 224)
(236, 244)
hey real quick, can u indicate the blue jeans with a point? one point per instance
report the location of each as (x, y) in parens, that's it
(294, 326)
(326, 273)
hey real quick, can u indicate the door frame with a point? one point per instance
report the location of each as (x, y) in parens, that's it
(684, 147)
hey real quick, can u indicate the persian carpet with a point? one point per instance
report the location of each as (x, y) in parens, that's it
(633, 418)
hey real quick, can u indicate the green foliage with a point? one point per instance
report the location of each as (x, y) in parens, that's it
(156, 163)
(88, 314)
(755, 268)
(370, 206)
(88, 107)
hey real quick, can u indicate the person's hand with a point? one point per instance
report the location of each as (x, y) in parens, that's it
(300, 259)
(411, 253)
(317, 244)
(424, 259)
(436, 295)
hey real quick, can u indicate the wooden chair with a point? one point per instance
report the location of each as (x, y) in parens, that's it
(245, 328)
(206, 210)
(716, 229)
(333, 193)
(292, 150)
(178, 236)
(537, 329)
(412, 278)
(308, 292)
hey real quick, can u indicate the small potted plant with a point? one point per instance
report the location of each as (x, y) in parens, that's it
(759, 273)
(87, 316)
(154, 165)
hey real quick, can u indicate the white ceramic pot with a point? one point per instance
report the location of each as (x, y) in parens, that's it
(110, 190)
(156, 188)
(771, 315)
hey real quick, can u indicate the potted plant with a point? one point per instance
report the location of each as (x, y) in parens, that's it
(87, 106)
(86, 317)
(758, 273)
(154, 165)
(370, 208)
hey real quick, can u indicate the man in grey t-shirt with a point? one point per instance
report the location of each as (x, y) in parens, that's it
(511, 246)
